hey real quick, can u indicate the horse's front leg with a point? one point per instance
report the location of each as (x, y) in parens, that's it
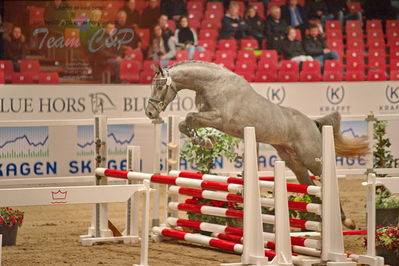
(199, 120)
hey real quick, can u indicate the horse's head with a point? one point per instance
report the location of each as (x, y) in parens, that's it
(163, 91)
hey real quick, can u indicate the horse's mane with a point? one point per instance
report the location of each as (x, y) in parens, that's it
(195, 62)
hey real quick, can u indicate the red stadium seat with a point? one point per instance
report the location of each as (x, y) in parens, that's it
(377, 63)
(2, 79)
(203, 56)
(36, 15)
(376, 43)
(213, 14)
(354, 54)
(246, 55)
(333, 65)
(354, 6)
(225, 54)
(332, 75)
(227, 45)
(181, 55)
(140, 5)
(211, 24)
(145, 37)
(394, 75)
(393, 43)
(310, 76)
(394, 64)
(194, 23)
(267, 65)
(373, 24)
(375, 34)
(214, 6)
(146, 77)
(195, 15)
(260, 9)
(312, 66)
(248, 44)
(355, 64)
(31, 67)
(334, 34)
(22, 78)
(393, 53)
(134, 55)
(268, 55)
(287, 76)
(337, 46)
(246, 74)
(209, 45)
(265, 76)
(171, 62)
(245, 65)
(226, 62)
(195, 6)
(352, 25)
(392, 34)
(8, 68)
(288, 65)
(354, 75)
(357, 43)
(49, 78)
(130, 70)
(207, 34)
(172, 25)
(333, 25)
(149, 64)
(377, 53)
(376, 75)
(392, 24)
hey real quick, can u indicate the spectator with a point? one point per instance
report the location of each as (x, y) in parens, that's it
(166, 31)
(318, 10)
(93, 25)
(292, 48)
(15, 46)
(109, 56)
(186, 38)
(315, 46)
(160, 49)
(379, 9)
(341, 12)
(133, 16)
(255, 25)
(275, 29)
(150, 15)
(295, 15)
(121, 23)
(174, 9)
(56, 17)
(233, 26)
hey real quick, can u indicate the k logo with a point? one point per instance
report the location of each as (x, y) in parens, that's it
(100, 102)
(335, 95)
(392, 94)
(276, 95)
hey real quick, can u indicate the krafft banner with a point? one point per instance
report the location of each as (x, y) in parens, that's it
(46, 150)
(83, 101)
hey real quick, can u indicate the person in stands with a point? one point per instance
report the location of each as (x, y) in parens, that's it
(121, 24)
(255, 25)
(295, 15)
(166, 31)
(341, 12)
(109, 56)
(160, 49)
(133, 16)
(233, 26)
(150, 15)
(318, 10)
(15, 46)
(174, 9)
(315, 46)
(292, 48)
(186, 38)
(275, 29)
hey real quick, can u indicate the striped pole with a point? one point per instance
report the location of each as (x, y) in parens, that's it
(269, 244)
(223, 212)
(170, 180)
(223, 229)
(224, 196)
(297, 188)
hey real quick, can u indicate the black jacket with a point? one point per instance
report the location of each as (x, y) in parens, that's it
(255, 25)
(291, 49)
(149, 17)
(275, 30)
(173, 8)
(317, 5)
(286, 15)
(314, 47)
(133, 17)
(337, 5)
(228, 31)
(14, 49)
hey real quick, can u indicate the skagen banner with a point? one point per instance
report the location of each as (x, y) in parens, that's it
(44, 149)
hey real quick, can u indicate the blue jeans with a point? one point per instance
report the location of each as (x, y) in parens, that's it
(352, 16)
(329, 56)
(191, 50)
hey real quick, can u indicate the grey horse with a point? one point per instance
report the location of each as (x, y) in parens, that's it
(227, 102)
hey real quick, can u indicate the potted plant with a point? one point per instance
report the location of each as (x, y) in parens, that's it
(204, 160)
(10, 220)
(387, 205)
(387, 244)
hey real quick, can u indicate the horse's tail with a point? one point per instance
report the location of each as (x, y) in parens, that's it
(343, 146)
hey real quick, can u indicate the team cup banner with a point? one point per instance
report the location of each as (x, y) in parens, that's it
(47, 150)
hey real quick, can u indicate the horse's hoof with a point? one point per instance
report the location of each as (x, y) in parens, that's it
(349, 223)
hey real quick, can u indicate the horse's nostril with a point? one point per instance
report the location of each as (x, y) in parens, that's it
(150, 114)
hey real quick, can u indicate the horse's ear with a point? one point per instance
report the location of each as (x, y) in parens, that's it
(157, 69)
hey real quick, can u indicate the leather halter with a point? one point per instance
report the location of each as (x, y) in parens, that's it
(166, 83)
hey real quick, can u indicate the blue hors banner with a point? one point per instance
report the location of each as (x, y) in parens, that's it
(31, 145)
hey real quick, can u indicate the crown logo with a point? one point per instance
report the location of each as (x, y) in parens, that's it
(59, 196)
